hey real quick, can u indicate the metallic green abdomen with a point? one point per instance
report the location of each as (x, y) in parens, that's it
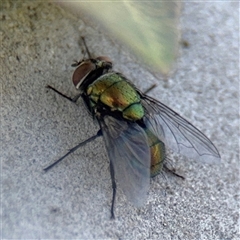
(115, 92)
(158, 153)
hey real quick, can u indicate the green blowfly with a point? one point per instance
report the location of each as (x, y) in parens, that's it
(136, 128)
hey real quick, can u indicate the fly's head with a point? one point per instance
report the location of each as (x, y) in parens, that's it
(88, 70)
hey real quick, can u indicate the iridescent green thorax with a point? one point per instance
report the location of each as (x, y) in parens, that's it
(115, 92)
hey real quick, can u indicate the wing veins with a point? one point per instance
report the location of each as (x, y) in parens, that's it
(181, 131)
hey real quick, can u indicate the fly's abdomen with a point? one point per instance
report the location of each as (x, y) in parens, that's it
(158, 153)
(115, 92)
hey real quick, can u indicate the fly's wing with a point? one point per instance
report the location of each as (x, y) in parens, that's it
(177, 133)
(128, 150)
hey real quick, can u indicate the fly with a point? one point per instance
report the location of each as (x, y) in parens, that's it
(136, 128)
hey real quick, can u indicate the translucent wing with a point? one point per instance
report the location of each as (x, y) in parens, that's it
(177, 133)
(128, 149)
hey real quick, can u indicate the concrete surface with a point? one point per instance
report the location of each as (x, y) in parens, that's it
(72, 201)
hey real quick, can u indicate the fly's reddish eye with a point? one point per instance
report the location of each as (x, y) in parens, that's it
(81, 72)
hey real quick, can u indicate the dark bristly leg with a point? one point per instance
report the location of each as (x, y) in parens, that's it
(172, 171)
(75, 98)
(85, 45)
(150, 89)
(114, 187)
(70, 99)
(99, 133)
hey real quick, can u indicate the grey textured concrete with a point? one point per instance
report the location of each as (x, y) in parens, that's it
(39, 41)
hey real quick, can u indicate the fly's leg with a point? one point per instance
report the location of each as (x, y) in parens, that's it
(74, 99)
(84, 51)
(150, 89)
(172, 171)
(86, 47)
(114, 187)
(99, 133)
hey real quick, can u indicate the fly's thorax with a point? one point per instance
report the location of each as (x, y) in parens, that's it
(113, 91)
(104, 82)
(158, 153)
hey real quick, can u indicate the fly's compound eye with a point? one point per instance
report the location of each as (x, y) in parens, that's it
(82, 72)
